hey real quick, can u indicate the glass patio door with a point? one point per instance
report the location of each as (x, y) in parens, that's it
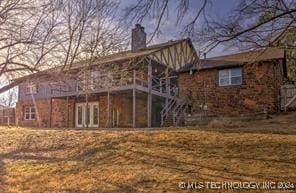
(87, 116)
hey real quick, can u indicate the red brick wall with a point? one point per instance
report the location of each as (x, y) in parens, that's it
(42, 118)
(60, 118)
(59, 113)
(260, 88)
(123, 105)
(141, 111)
(120, 104)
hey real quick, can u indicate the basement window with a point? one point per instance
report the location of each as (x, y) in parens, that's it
(232, 76)
(30, 113)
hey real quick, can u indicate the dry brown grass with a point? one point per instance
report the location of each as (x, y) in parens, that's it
(33, 160)
(222, 123)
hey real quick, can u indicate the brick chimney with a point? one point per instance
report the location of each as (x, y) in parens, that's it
(138, 38)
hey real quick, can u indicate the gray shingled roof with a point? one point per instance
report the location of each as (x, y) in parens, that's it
(237, 59)
(253, 55)
(209, 64)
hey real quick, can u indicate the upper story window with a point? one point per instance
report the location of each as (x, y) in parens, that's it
(30, 113)
(31, 88)
(231, 76)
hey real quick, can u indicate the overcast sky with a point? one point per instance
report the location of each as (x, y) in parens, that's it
(171, 31)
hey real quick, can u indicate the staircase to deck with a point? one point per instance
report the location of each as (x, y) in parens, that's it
(174, 111)
(288, 97)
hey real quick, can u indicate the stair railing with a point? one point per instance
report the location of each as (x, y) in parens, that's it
(166, 109)
(179, 110)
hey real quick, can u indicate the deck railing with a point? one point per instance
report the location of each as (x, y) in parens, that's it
(96, 81)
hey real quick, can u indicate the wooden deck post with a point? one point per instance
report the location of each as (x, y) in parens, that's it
(108, 109)
(67, 111)
(149, 102)
(134, 99)
(73, 123)
(86, 111)
(50, 112)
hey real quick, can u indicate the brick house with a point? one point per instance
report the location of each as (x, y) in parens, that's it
(238, 84)
(127, 89)
(152, 86)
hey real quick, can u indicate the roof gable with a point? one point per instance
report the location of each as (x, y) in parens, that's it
(173, 54)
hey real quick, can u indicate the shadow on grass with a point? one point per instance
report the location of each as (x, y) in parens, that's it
(25, 151)
(132, 151)
(218, 171)
(2, 173)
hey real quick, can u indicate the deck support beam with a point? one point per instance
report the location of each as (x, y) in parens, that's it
(86, 111)
(50, 112)
(108, 109)
(149, 100)
(134, 99)
(67, 111)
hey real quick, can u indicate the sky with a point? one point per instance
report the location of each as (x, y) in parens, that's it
(171, 31)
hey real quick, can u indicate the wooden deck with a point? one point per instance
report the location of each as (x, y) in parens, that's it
(133, 80)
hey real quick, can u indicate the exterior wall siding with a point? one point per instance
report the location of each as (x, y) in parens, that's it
(260, 89)
(45, 90)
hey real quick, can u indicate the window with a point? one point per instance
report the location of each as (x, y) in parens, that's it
(232, 76)
(31, 88)
(30, 113)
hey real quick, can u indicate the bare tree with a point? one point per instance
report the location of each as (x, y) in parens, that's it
(18, 32)
(159, 11)
(252, 23)
(56, 33)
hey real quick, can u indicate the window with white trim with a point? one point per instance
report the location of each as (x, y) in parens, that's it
(231, 76)
(31, 88)
(30, 113)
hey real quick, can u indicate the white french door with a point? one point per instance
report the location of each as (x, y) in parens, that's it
(87, 116)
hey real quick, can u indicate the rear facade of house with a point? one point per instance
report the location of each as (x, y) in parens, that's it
(160, 85)
(128, 89)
